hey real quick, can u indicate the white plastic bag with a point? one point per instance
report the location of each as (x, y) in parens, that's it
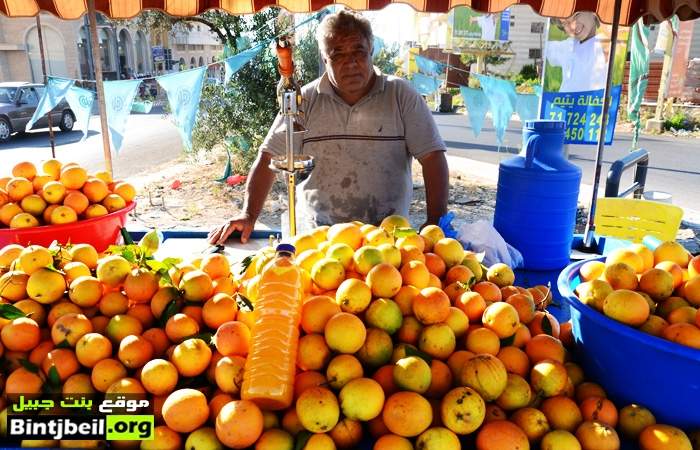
(481, 236)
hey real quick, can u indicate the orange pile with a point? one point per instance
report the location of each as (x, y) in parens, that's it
(657, 291)
(60, 194)
(406, 339)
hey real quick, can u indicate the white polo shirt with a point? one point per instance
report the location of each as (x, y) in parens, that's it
(363, 152)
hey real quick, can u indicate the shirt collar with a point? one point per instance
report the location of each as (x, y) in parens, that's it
(325, 86)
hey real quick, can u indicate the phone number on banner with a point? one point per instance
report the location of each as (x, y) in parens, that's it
(582, 112)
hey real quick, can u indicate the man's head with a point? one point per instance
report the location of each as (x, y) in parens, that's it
(345, 40)
(580, 26)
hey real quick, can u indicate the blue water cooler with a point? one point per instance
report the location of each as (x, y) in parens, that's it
(537, 197)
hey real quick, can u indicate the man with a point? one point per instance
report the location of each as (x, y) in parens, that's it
(582, 57)
(364, 128)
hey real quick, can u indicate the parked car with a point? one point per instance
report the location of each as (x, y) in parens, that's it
(19, 100)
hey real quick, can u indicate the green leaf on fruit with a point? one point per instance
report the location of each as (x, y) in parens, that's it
(247, 261)
(170, 310)
(411, 351)
(547, 325)
(302, 439)
(507, 342)
(128, 240)
(155, 265)
(129, 254)
(404, 232)
(244, 304)
(207, 337)
(54, 377)
(64, 344)
(28, 365)
(11, 312)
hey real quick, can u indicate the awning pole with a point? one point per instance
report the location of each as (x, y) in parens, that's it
(590, 224)
(97, 64)
(46, 80)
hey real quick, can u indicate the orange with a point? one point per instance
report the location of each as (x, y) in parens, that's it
(158, 339)
(113, 303)
(621, 276)
(450, 250)
(92, 348)
(196, 286)
(53, 192)
(592, 270)
(232, 338)
(216, 266)
(549, 378)
(22, 381)
(113, 202)
(112, 270)
(489, 291)
(515, 360)
(392, 442)
(73, 177)
(384, 280)
(4, 198)
(8, 211)
(85, 291)
(671, 251)
(18, 188)
(316, 312)
(524, 305)
(501, 318)
(20, 335)
(95, 210)
(501, 275)
(486, 374)
(159, 377)
(70, 328)
(597, 436)
(95, 190)
(219, 309)
(645, 253)
(33, 204)
(312, 352)
(516, 395)
(13, 285)
(24, 220)
(539, 326)
(59, 309)
(390, 223)
(135, 351)
(454, 290)
(191, 357)
(435, 264)
(185, 410)
(84, 253)
(77, 201)
(494, 413)
(407, 414)
(62, 215)
(431, 306)
(627, 307)
(345, 333)
(473, 305)
(411, 240)
(598, 409)
(122, 325)
(352, 296)
(106, 372)
(544, 346)
(483, 340)
(345, 233)
(318, 409)
(562, 413)
(627, 256)
(692, 291)
(33, 310)
(125, 191)
(140, 285)
(501, 435)
(63, 360)
(346, 434)
(664, 437)
(459, 273)
(532, 421)
(78, 384)
(683, 333)
(24, 169)
(415, 273)
(588, 389)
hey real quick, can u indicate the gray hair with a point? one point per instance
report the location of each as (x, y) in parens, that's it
(343, 23)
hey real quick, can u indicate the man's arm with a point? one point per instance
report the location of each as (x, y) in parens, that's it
(436, 177)
(258, 187)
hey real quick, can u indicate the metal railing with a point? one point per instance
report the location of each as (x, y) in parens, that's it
(639, 159)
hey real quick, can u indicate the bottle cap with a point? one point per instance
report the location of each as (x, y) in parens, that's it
(289, 248)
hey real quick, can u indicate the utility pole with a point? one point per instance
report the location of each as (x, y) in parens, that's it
(46, 81)
(657, 123)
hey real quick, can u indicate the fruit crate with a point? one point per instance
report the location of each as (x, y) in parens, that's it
(632, 366)
(100, 232)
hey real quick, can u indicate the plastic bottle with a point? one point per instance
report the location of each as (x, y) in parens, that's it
(268, 379)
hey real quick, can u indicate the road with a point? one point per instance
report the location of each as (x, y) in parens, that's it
(674, 162)
(150, 140)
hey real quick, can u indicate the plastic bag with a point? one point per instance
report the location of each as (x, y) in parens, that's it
(481, 236)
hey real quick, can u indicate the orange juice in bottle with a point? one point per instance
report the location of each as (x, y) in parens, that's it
(268, 378)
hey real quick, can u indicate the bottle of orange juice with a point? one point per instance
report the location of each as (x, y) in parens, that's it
(268, 378)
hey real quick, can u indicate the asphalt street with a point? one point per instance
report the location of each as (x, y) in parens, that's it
(674, 162)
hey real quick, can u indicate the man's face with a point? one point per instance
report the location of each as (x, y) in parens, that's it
(349, 64)
(580, 26)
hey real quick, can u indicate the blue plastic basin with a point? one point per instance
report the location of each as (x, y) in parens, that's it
(632, 366)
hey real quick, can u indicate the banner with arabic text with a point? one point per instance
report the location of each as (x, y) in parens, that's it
(576, 63)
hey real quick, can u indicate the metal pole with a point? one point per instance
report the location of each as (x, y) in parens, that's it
(90, 62)
(590, 225)
(97, 63)
(46, 80)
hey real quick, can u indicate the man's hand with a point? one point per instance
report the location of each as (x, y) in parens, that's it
(242, 223)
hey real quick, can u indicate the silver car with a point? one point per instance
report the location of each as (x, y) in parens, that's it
(18, 100)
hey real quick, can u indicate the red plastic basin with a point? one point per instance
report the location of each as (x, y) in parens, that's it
(100, 232)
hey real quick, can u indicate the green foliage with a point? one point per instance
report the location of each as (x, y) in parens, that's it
(553, 77)
(529, 72)
(387, 60)
(680, 121)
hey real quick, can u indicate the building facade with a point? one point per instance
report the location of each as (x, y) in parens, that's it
(125, 52)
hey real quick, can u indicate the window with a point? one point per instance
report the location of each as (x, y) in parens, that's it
(537, 27)
(535, 53)
(28, 97)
